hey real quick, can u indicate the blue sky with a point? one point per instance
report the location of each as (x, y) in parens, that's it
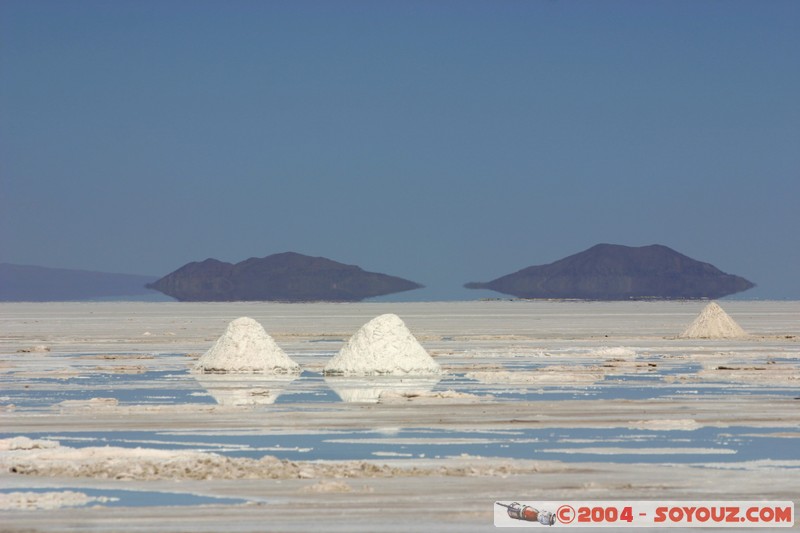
(441, 141)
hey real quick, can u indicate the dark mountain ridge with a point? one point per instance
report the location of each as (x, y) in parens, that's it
(616, 272)
(288, 277)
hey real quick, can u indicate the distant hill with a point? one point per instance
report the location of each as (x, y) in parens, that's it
(41, 284)
(289, 277)
(615, 272)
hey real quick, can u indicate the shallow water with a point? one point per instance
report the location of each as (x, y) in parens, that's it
(136, 498)
(731, 444)
(174, 387)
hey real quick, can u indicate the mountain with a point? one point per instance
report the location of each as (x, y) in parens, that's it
(41, 284)
(289, 277)
(615, 272)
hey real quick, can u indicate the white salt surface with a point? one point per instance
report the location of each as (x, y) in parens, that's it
(246, 347)
(36, 501)
(642, 451)
(90, 404)
(383, 346)
(503, 336)
(116, 463)
(325, 487)
(552, 375)
(24, 443)
(618, 352)
(683, 424)
(713, 323)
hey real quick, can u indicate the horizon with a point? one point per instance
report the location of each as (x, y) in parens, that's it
(483, 137)
(409, 295)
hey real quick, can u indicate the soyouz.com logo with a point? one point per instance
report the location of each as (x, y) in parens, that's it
(644, 513)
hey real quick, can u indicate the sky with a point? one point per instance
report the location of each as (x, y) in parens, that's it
(440, 141)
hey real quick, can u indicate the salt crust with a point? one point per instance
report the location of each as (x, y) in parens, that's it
(39, 348)
(326, 486)
(92, 403)
(24, 443)
(615, 351)
(383, 346)
(552, 375)
(664, 424)
(245, 347)
(774, 375)
(33, 501)
(613, 450)
(152, 464)
(713, 323)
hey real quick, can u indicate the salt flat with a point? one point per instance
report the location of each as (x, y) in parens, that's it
(538, 400)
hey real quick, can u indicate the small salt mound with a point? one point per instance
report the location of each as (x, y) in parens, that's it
(383, 346)
(246, 347)
(713, 323)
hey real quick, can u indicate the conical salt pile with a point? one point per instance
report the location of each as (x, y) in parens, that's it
(246, 347)
(713, 323)
(383, 346)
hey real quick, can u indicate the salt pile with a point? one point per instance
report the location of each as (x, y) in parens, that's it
(246, 347)
(383, 346)
(713, 323)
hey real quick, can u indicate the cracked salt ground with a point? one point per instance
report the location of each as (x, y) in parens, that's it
(627, 445)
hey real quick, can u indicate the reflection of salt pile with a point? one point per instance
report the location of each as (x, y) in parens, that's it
(383, 346)
(713, 323)
(239, 390)
(246, 347)
(371, 389)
